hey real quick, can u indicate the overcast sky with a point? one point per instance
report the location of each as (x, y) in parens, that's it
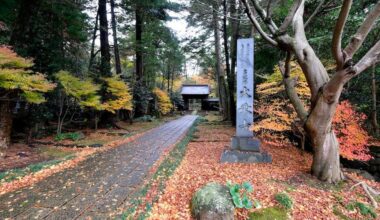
(180, 27)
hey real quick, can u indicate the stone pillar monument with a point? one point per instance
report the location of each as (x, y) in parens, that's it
(244, 146)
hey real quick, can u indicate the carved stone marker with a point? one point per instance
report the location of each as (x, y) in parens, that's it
(244, 146)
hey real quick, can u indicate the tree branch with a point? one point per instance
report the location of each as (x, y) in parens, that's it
(264, 16)
(362, 32)
(290, 89)
(256, 23)
(316, 11)
(289, 18)
(337, 36)
(371, 58)
(298, 25)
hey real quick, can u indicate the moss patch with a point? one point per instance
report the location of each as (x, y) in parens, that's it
(212, 197)
(51, 152)
(271, 213)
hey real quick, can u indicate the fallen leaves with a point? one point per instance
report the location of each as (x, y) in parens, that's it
(80, 156)
(288, 172)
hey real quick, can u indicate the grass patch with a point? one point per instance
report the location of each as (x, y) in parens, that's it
(339, 213)
(18, 173)
(164, 171)
(269, 214)
(50, 152)
(284, 200)
(364, 209)
(74, 136)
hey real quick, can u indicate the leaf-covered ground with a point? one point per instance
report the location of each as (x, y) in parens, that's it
(288, 173)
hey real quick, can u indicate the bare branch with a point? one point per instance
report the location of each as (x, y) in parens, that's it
(289, 18)
(256, 23)
(337, 36)
(264, 16)
(371, 58)
(298, 25)
(290, 83)
(285, 68)
(362, 32)
(316, 11)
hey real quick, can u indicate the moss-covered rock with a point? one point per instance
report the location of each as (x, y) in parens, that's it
(271, 213)
(213, 201)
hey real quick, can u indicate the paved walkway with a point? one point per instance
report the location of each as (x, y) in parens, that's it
(97, 186)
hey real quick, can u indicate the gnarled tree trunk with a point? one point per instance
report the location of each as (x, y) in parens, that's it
(326, 163)
(5, 126)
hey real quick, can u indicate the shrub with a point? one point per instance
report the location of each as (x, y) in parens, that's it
(164, 105)
(74, 136)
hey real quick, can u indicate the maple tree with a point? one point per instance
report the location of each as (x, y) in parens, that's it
(119, 95)
(278, 117)
(164, 104)
(75, 91)
(325, 88)
(17, 81)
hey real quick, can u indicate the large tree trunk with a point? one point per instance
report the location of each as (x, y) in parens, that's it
(326, 164)
(230, 76)
(104, 44)
(115, 41)
(233, 46)
(5, 126)
(219, 71)
(139, 56)
(22, 29)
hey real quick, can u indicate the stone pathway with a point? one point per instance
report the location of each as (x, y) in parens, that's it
(98, 186)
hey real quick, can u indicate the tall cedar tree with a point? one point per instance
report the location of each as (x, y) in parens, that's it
(105, 65)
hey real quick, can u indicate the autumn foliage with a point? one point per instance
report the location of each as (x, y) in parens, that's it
(15, 76)
(352, 137)
(121, 97)
(164, 103)
(84, 91)
(87, 93)
(277, 117)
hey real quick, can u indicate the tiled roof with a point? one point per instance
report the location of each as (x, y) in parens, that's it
(195, 90)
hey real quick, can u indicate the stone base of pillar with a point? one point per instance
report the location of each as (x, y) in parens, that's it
(245, 143)
(245, 150)
(238, 156)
